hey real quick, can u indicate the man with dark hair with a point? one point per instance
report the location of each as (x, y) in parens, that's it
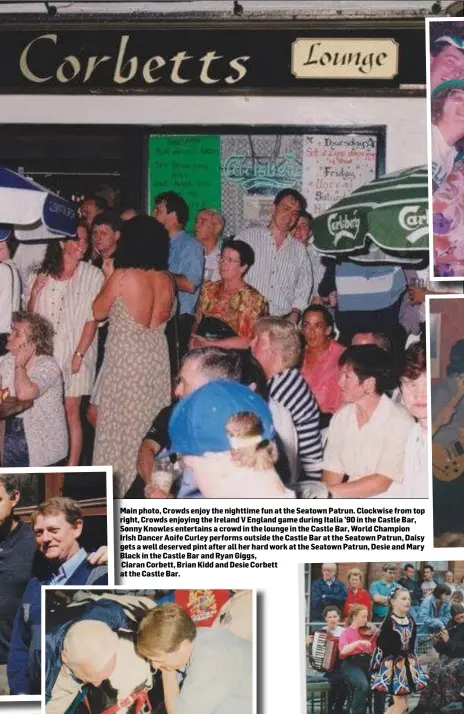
(409, 582)
(446, 59)
(380, 591)
(435, 610)
(57, 525)
(303, 233)
(428, 584)
(282, 271)
(186, 262)
(106, 231)
(366, 437)
(91, 206)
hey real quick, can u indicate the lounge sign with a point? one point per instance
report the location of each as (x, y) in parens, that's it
(181, 58)
(341, 58)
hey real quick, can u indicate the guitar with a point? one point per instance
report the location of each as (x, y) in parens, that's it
(448, 462)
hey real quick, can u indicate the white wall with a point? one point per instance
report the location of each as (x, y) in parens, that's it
(404, 117)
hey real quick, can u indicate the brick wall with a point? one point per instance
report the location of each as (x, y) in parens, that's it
(373, 571)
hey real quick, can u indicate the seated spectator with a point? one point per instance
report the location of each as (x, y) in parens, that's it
(409, 582)
(435, 610)
(446, 674)
(209, 226)
(413, 384)
(327, 590)
(38, 436)
(356, 645)
(218, 665)
(449, 580)
(10, 285)
(428, 584)
(380, 591)
(367, 437)
(57, 525)
(277, 347)
(229, 308)
(357, 595)
(224, 432)
(321, 356)
(338, 687)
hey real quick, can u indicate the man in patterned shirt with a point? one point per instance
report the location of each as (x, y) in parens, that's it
(282, 270)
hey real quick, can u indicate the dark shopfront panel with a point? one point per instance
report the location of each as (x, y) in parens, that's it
(75, 159)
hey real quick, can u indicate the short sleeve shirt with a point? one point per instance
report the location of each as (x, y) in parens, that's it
(186, 257)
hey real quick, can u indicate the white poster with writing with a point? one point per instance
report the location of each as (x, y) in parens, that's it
(334, 165)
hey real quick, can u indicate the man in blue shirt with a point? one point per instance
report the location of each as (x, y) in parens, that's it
(57, 525)
(186, 263)
(380, 591)
(327, 590)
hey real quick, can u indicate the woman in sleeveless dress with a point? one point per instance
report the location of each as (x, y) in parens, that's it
(138, 298)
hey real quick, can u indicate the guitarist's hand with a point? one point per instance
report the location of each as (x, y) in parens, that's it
(446, 415)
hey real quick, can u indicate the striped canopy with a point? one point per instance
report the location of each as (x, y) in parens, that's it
(34, 211)
(391, 211)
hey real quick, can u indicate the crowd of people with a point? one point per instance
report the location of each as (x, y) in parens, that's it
(376, 648)
(124, 332)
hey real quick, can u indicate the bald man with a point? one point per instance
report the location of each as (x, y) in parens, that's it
(90, 651)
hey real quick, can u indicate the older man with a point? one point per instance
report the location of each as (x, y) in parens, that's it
(327, 590)
(95, 645)
(18, 554)
(277, 347)
(209, 226)
(282, 270)
(57, 525)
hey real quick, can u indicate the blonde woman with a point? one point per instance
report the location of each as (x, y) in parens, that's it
(224, 432)
(357, 595)
(356, 646)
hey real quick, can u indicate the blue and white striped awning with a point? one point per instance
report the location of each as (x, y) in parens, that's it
(33, 211)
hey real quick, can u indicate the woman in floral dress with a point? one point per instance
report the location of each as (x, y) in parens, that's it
(231, 299)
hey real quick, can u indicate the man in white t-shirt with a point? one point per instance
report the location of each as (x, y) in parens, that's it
(366, 438)
(428, 584)
(447, 127)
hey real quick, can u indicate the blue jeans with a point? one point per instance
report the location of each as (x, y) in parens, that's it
(358, 680)
(15, 451)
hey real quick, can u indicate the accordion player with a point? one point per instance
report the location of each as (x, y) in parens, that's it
(324, 652)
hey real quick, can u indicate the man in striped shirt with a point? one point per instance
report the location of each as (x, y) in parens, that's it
(277, 347)
(282, 270)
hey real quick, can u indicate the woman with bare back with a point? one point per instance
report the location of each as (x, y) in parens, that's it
(138, 298)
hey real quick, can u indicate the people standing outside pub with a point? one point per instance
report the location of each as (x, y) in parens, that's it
(186, 264)
(282, 271)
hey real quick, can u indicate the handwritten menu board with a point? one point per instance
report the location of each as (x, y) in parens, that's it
(334, 165)
(189, 165)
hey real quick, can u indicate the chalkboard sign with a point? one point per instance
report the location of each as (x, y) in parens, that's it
(334, 165)
(189, 165)
(240, 173)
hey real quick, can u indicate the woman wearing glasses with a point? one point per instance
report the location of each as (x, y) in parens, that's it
(228, 308)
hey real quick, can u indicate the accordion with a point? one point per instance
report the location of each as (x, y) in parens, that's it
(324, 652)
